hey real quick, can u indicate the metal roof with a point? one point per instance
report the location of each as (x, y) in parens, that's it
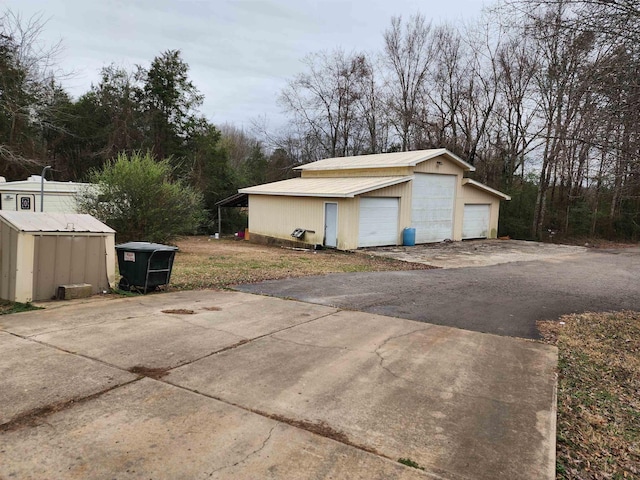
(385, 160)
(482, 186)
(34, 222)
(237, 200)
(49, 186)
(341, 187)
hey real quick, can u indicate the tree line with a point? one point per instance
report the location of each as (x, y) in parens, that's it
(141, 112)
(541, 96)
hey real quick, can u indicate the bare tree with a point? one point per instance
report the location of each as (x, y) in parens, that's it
(27, 85)
(325, 102)
(407, 55)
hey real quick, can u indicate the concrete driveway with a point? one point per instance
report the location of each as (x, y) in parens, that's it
(504, 299)
(231, 385)
(476, 253)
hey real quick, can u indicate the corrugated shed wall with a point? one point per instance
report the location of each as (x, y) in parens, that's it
(68, 259)
(8, 250)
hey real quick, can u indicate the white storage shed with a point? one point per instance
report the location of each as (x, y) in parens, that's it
(40, 252)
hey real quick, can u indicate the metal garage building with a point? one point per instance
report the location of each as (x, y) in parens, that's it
(41, 251)
(368, 200)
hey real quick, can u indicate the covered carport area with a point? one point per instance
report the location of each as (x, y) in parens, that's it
(239, 200)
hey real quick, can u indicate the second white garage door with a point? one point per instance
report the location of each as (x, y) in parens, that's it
(476, 221)
(378, 222)
(432, 206)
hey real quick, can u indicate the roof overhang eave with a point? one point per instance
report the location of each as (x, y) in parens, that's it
(351, 194)
(485, 188)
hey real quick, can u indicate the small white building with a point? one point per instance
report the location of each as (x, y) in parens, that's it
(24, 195)
(39, 252)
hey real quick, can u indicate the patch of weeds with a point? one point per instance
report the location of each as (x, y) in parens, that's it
(598, 404)
(7, 307)
(410, 463)
(124, 293)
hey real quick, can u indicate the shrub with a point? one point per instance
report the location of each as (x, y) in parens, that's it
(137, 197)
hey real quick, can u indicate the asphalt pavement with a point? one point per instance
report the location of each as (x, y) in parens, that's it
(505, 299)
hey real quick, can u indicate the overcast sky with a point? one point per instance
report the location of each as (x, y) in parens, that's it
(241, 52)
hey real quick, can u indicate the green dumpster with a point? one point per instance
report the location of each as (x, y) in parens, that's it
(144, 265)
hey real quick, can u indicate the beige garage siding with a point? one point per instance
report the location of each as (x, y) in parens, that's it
(277, 216)
(431, 166)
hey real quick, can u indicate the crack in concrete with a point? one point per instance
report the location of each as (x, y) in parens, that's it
(247, 340)
(329, 347)
(31, 417)
(75, 327)
(70, 352)
(386, 341)
(249, 455)
(431, 387)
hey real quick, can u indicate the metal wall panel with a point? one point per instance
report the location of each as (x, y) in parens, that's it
(68, 259)
(277, 217)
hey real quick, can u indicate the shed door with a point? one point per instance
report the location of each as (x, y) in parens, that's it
(432, 207)
(476, 221)
(331, 225)
(378, 222)
(68, 259)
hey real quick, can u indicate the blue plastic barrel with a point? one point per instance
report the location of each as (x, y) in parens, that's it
(409, 237)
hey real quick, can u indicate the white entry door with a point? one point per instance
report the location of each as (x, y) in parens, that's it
(331, 225)
(432, 206)
(475, 223)
(378, 224)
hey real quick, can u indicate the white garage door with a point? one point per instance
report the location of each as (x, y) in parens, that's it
(378, 222)
(476, 221)
(432, 206)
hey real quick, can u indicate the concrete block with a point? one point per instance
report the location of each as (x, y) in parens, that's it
(76, 290)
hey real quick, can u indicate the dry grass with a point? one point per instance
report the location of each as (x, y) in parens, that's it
(598, 394)
(205, 263)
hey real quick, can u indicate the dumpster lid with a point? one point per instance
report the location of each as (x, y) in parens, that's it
(145, 247)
